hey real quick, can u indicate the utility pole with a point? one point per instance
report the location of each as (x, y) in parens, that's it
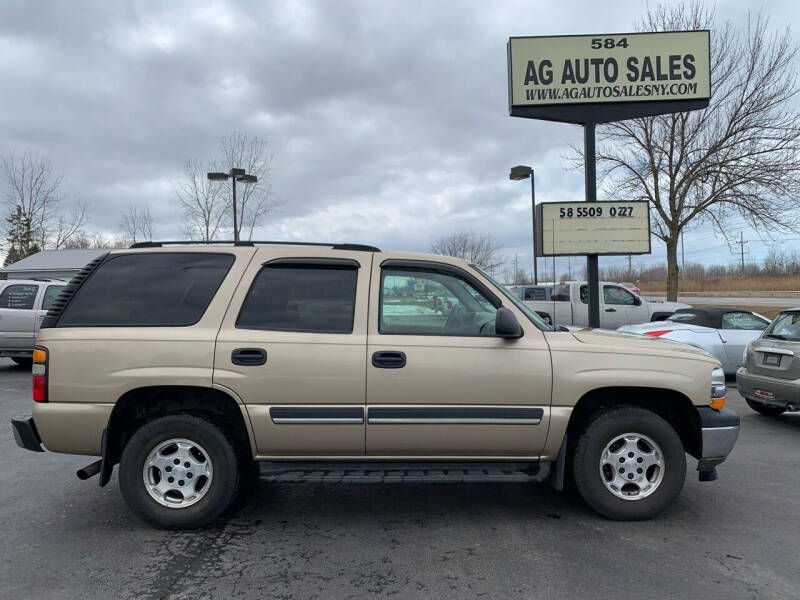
(630, 269)
(683, 255)
(515, 268)
(741, 243)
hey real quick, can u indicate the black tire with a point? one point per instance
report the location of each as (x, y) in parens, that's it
(763, 409)
(23, 361)
(222, 488)
(600, 431)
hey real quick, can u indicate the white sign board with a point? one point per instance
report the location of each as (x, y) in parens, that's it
(628, 67)
(580, 228)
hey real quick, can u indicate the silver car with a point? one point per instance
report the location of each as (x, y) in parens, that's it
(722, 332)
(769, 379)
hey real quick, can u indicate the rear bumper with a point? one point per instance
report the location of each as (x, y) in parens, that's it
(719, 431)
(25, 433)
(770, 391)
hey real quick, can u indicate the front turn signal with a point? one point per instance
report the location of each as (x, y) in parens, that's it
(717, 403)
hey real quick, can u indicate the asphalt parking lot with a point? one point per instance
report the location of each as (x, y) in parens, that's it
(738, 537)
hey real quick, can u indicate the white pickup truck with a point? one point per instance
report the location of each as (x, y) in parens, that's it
(568, 304)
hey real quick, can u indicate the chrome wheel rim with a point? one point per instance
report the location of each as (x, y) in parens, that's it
(177, 473)
(632, 466)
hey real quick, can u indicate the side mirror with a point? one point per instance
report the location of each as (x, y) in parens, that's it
(506, 324)
(637, 301)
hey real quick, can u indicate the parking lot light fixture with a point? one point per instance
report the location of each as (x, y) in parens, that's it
(523, 172)
(235, 174)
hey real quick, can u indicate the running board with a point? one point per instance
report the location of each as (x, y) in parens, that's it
(404, 472)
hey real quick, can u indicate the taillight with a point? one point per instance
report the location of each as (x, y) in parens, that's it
(658, 333)
(39, 375)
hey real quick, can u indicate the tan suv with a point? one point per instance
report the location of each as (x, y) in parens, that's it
(194, 366)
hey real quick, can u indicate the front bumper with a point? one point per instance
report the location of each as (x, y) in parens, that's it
(719, 430)
(785, 393)
(25, 433)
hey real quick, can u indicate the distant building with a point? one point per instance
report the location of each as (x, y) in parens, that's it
(51, 264)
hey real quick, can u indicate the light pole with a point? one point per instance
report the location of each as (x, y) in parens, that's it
(523, 172)
(234, 175)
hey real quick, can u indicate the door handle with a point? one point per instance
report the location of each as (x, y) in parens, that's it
(249, 357)
(611, 310)
(390, 359)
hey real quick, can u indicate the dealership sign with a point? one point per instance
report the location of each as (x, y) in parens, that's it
(609, 69)
(600, 228)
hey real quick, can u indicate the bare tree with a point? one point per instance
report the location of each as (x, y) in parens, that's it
(253, 200)
(204, 203)
(136, 224)
(67, 227)
(740, 156)
(477, 249)
(83, 240)
(32, 198)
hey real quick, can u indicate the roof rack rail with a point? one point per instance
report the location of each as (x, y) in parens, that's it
(354, 247)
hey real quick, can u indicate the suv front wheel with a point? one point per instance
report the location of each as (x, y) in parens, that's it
(629, 464)
(179, 472)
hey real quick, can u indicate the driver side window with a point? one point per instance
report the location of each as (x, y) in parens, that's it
(429, 302)
(613, 294)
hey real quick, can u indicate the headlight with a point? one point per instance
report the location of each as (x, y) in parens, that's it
(718, 388)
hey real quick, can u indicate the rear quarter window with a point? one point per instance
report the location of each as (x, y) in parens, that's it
(19, 296)
(150, 289)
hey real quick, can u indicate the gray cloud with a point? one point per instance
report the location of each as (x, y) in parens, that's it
(388, 121)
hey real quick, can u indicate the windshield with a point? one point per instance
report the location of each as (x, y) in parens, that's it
(786, 326)
(535, 319)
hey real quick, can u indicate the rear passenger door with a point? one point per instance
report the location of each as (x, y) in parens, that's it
(292, 346)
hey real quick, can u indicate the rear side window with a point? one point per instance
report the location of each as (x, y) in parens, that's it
(50, 294)
(18, 296)
(535, 293)
(158, 289)
(301, 297)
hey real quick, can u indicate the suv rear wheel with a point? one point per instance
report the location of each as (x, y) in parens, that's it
(761, 408)
(179, 472)
(629, 464)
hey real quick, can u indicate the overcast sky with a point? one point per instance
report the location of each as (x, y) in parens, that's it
(388, 121)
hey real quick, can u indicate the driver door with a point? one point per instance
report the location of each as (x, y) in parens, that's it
(619, 307)
(440, 383)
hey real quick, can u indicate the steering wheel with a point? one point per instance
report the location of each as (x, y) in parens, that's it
(484, 329)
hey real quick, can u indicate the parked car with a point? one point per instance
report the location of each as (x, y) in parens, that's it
(219, 361)
(722, 332)
(568, 304)
(631, 286)
(23, 305)
(769, 378)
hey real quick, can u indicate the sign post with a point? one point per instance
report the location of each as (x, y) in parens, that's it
(591, 79)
